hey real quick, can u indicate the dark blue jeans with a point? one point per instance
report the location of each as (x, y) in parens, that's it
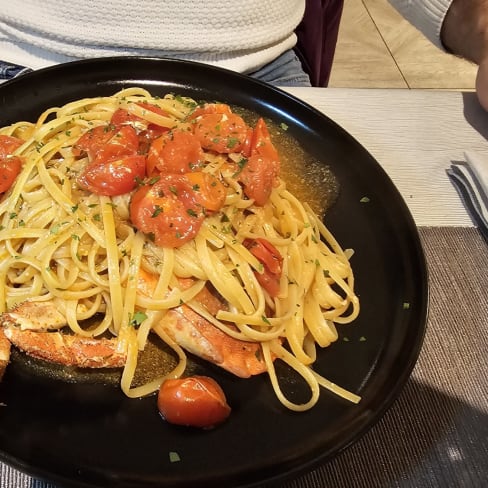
(286, 70)
(10, 70)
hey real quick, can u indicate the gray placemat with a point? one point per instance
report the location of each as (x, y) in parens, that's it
(436, 433)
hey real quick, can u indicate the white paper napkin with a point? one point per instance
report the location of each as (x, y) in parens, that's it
(470, 178)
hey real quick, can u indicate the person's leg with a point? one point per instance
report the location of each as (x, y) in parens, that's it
(286, 70)
(317, 38)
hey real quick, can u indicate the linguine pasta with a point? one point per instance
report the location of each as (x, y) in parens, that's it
(61, 243)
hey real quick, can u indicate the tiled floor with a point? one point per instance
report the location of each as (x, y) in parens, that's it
(378, 48)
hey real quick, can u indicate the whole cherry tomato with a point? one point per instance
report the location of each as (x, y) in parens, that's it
(196, 401)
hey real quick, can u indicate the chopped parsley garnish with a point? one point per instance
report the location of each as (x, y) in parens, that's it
(241, 164)
(174, 457)
(137, 318)
(157, 211)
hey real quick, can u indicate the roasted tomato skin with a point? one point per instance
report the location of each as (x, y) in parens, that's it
(166, 210)
(218, 129)
(261, 171)
(10, 165)
(113, 177)
(272, 262)
(195, 401)
(176, 151)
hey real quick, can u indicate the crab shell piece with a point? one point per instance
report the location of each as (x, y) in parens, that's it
(69, 350)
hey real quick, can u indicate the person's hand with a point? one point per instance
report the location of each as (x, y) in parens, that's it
(482, 83)
(465, 33)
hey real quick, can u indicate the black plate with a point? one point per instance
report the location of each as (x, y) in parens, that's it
(91, 435)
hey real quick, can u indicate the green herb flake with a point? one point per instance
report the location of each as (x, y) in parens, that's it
(174, 457)
(241, 164)
(232, 142)
(364, 200)
(157, 211)
(283, 126)
(265, 320)
(137, 318)
(362, 339)
(406, 305)
(54, 229)
(345, 339)
(154, 180)
(192, 213)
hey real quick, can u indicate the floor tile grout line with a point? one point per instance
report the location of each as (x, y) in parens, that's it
(385, 43)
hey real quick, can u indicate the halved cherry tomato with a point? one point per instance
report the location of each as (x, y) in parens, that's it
(177, 151)
(122, 116)
(113, 177)
(147, 136)
(261, 142)
(167, 211)
(196, 401)
(209, 191)
(8, 144)
(103, 143)
(266, 253)
(210, 108)
(246, 146)
(218, 129)
(258, 178)
(262, 168)
(10, 165)
(123, 143)
(91, 141)
(148, 132)
(270, 257)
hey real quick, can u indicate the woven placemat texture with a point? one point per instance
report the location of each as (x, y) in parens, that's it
(436, 433)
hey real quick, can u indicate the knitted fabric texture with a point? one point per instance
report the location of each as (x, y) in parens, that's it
(426, 15)
(240, 35)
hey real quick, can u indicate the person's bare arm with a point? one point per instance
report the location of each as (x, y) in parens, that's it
(465, 33)
(465, 29)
